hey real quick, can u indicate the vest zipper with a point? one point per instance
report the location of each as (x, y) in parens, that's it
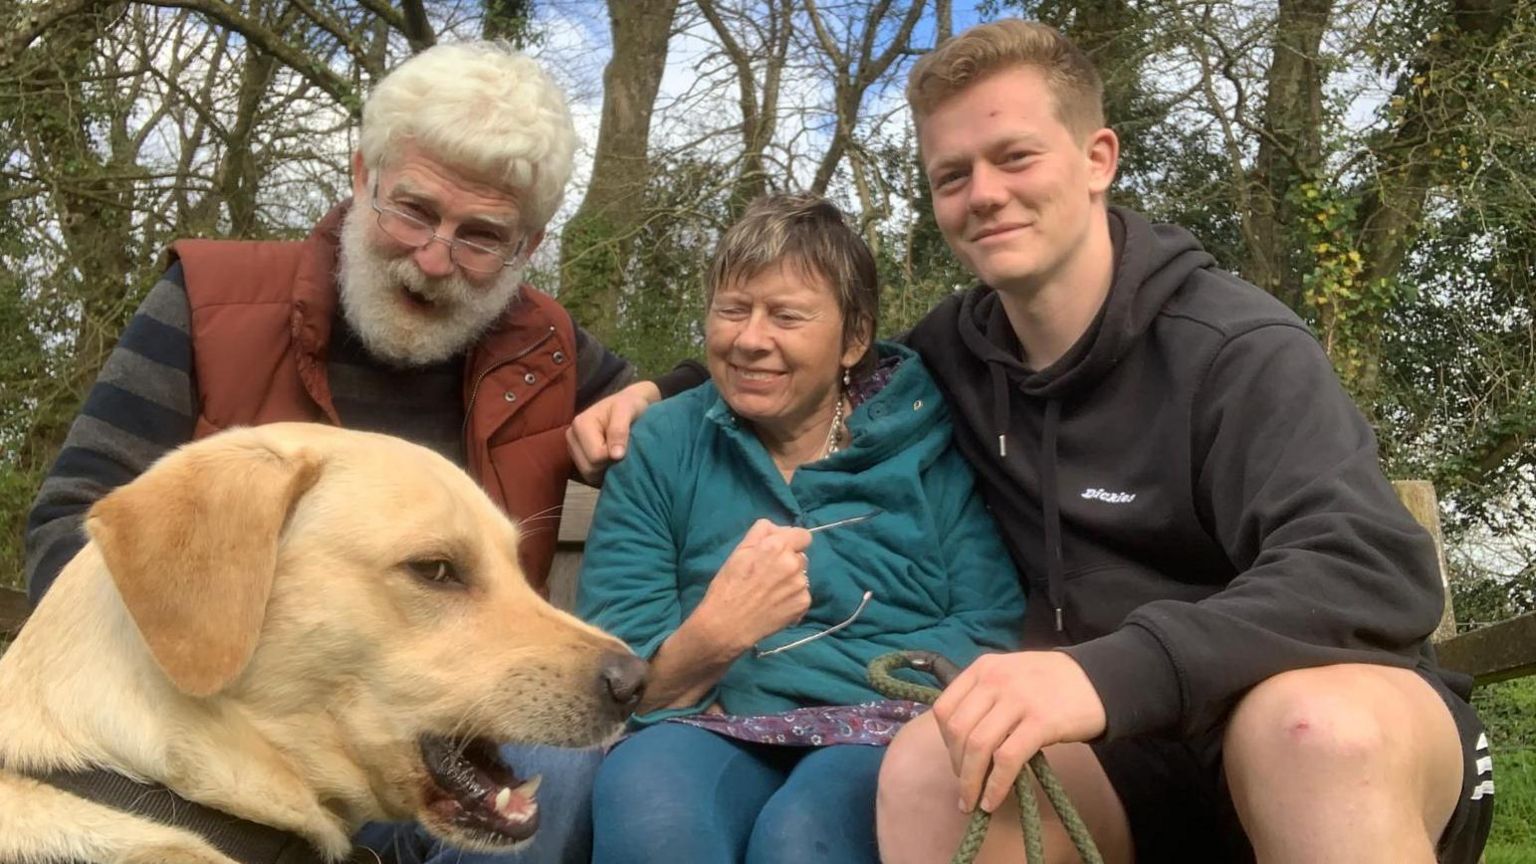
(474, 390)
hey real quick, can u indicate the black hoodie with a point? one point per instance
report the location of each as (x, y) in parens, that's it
(1196, 501)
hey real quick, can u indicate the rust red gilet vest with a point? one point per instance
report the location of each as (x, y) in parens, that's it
(261, 321)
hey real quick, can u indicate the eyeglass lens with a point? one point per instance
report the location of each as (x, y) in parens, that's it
(413, 232)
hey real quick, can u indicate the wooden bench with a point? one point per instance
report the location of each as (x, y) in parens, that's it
(1497, 652)
(1494, 653)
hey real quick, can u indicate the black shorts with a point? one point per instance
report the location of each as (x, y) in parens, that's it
(1176, 798)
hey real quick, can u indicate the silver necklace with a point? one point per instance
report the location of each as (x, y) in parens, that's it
(837, 420)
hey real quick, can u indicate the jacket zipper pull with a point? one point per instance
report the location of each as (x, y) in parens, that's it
(1059, 628)
(1002, 445)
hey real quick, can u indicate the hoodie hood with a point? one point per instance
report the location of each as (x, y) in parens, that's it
(1160, 259)
(1151, 263)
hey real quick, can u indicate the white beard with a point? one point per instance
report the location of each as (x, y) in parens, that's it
(390, 327)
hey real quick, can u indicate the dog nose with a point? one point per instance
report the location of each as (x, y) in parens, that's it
(624, 674)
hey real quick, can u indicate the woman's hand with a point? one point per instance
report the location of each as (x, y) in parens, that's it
(762, 588)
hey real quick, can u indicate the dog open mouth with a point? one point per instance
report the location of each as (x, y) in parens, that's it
(476, 793)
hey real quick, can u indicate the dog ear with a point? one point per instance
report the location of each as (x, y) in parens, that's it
(192, 546)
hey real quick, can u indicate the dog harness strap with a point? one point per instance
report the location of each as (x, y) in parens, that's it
(242, 840)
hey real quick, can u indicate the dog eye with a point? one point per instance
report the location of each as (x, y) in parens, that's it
(438, 571)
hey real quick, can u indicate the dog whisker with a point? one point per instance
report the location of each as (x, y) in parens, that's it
(546, 513)
(541, 517)
(466, 719)
(526, 524)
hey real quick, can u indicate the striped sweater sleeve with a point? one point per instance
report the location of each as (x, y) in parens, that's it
(141, 406)
(599, 372)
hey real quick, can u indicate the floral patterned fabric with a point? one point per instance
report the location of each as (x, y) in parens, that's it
(865, 389)
(871, 723)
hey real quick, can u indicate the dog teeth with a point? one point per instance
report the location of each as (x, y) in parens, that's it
(530, 787)
(517, 804)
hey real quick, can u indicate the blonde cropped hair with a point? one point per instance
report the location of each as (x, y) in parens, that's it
(986, 49)
(481, 107)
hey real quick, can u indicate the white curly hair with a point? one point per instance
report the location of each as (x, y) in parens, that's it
(482, 107)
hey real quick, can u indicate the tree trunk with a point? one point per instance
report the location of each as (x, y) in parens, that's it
(242, 170)
(1393, 209)
(1409, 163)
(1290, 148)
(595, 246)
(91, 197)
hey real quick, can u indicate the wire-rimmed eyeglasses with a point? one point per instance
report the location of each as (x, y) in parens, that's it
(471, 256)
(814, 636)
(851, 520)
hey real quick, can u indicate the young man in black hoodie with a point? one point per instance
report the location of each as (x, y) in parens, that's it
(1239, 603)
(1229, 609)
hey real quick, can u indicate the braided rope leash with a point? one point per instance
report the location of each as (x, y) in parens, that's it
(941, 668)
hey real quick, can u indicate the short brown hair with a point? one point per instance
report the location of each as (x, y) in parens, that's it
(989, 48)
(809, 232)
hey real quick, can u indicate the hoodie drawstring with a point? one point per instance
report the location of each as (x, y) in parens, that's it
(1002, 415)
(1055, 580)
(1001, 412)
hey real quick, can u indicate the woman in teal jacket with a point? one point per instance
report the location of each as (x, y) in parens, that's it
(701, 556)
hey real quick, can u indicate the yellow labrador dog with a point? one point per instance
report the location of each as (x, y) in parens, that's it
(297, 629)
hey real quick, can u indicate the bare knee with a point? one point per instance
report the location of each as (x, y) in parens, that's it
(915, 770)
(1307, 719)
(1355, 760)
(919, 820)
(1369, 732)
(915, 804)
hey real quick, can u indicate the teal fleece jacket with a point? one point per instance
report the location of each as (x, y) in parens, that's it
(696, 479)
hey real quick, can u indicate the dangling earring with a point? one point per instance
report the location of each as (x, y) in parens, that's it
(835, 432)
(847, 378)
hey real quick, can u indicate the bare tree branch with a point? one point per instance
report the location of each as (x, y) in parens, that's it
(286, 53)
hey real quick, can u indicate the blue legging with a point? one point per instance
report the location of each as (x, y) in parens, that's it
(678, 793)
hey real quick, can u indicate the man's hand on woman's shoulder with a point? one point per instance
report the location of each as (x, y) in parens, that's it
(599, 436)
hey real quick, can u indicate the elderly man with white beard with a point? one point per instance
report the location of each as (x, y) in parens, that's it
(403, 312)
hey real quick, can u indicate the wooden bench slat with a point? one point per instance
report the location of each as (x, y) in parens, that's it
(576, 517)
(1422, 503)
(1497, 652)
